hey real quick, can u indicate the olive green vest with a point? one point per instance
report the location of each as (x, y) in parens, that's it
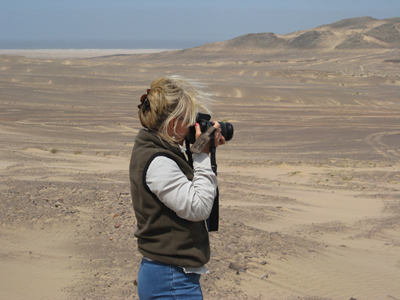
(161, 234)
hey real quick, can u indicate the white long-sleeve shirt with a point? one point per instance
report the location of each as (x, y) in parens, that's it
(191, 200)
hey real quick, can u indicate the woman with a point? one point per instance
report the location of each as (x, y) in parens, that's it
(170, 197)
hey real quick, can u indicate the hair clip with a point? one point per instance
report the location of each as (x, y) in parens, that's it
(144, 102)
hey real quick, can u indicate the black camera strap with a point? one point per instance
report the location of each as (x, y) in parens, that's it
(213, 220)
(188, 153)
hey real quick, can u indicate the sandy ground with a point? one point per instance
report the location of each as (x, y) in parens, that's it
(309, 184)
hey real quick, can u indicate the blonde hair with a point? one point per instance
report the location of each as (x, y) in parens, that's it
(169, 98)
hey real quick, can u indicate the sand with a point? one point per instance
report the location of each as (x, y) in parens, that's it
(309, 184)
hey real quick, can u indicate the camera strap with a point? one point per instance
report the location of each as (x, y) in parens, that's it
(202, 141)
(213, 220)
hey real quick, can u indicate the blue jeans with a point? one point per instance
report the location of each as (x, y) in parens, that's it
(161, 281)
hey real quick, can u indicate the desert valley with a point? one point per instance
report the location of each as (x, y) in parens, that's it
(309, 184)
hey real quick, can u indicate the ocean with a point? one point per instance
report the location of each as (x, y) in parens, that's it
(101, 44)
(74, 53)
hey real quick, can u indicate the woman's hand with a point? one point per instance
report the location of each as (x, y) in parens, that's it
(218, 140)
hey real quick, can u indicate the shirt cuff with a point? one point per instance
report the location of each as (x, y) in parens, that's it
(201, 160)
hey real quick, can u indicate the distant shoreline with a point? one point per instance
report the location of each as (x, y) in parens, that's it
(74, 53)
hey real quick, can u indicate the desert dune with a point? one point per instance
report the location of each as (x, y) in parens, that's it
(309, 184)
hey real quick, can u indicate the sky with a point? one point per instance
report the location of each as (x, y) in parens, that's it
(167, 24)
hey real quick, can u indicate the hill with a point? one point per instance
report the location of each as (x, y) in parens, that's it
(353, 33)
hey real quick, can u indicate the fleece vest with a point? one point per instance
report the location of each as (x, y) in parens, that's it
(161, 234)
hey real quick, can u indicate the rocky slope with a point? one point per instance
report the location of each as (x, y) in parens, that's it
(353, 33)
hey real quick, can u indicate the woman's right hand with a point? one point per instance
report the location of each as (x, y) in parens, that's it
(218, 140)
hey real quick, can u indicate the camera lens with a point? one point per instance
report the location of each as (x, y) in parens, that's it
(226, 130)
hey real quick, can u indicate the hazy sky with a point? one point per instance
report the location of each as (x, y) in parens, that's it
(167, 23)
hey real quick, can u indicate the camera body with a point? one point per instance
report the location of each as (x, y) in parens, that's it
(205, 123)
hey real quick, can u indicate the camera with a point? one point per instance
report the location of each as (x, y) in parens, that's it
(205, 123)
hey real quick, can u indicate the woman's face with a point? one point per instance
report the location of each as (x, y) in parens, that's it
(182, 129)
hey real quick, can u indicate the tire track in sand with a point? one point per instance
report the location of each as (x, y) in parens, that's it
(375, 141)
